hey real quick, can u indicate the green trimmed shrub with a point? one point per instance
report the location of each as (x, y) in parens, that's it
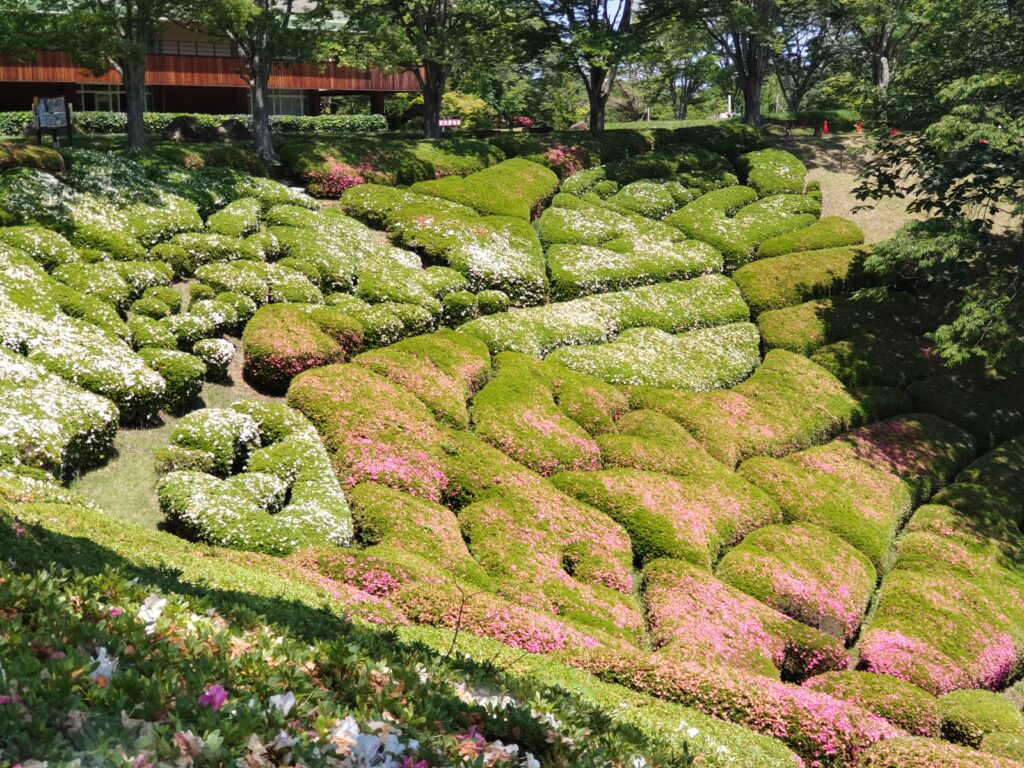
(458, 308)
(49, 423)
(282, 340)
(238, 218)
(516, 188)
(286, 498)
(698, 360)
(787, 280)
(863, 485)
(830, 232)
(382, 325)
(217, 355)
(443, 369)
(804, 572)
(516, 412)
(580, 270)
(986, 406)
(695, 617)
(101, 281)
(168, 294)
(787, 404)
(652, 441)
(101, 314)
(141, 275)
(671, 307)
(491, 302)
(773, 172)
(969, 716)
(901, 703)
(50, 249)
(147, 332)
(653, 199)
(906, 752)
(184, 374)
(1008, 745)
(596, 224)
(687, 518)
(150, 307)
(193, 249)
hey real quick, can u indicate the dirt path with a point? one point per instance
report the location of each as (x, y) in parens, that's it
(835, 161)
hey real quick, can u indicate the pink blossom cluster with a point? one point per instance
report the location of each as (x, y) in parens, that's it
(565, 160)
(335, 177)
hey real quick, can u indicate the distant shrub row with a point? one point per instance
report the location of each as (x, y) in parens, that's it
(15, 123)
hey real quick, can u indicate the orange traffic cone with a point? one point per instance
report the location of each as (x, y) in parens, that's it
(824, 129)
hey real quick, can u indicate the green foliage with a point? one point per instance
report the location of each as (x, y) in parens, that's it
(787, 280)
(970, 716)
(830, 232)
(773, 172)
(184, 374)
(901, 703)
(514, 187)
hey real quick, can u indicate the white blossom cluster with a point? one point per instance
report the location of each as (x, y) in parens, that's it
(47, 423)
(286, 496)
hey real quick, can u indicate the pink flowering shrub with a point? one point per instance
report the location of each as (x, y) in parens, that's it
(566, 160)
(695, 617)
(929, 753)
(904, 705)
(824, 731)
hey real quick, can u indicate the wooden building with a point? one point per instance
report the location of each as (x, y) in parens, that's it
(191, 72)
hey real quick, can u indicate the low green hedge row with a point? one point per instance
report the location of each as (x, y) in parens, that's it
(30, 156)
(919, 752)
(16, 123)
(688, 166)
(581, 270)
(671, 307)
(787, 404)
(787, 280)
(516, 188)
(830, 232)
(901, 703)
(772, 172)
(694, 361)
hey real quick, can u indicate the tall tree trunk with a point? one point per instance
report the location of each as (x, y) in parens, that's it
(259, 89)
(793, 101)
(133, 77)
(751, 87)
(432, 85)
(881, 58)
(597, 95)
(684, 105)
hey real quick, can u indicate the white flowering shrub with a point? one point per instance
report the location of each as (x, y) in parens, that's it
(217, 354)
(47, 423)
(48, 248)
(671, 307)
(278, 493)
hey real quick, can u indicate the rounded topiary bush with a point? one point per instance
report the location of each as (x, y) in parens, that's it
(968, 716)
(183, 373)
(149, 307)
(217, 354)
(282, 340)
(1009, 745)
(919, 752)
(458, 308)
(901, 703)
(490, 302)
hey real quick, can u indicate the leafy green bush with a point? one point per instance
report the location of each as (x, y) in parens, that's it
(671, 307)
(184, 374)
(47, 247)
(695, 361)
(29, 156)
(830, 232)
(969, 716)
(217, 355)
(773, 172)
(238, 218)
(918, 752)
(786, 280)
(516, 188)
(901, 703)
(282, 340)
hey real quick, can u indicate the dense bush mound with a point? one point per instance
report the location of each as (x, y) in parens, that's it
(904, 705)
(830, 232)
(989, 407)
(443, 369)
(864, 484)
(687, 165)
(969, 716)
(652, 441)
(773, 172)
(279, 493)
(696, 617)
(924, 753)
(670, 307)
(805, 572)
(787, 404)
(958, 572)
(591, 223)
(582, 270)
(516, 188)
(788, 280)
(690, 518)
(49, 424)
(696, 361)
(282, 340)
(329, 166)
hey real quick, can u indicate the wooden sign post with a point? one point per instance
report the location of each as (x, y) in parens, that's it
(51, 115)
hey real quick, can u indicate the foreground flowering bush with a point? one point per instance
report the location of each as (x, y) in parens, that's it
(101, 671)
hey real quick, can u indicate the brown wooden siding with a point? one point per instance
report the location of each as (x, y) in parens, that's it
(56, 67)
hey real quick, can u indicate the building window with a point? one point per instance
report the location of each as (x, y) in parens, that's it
(285, 101)
(101, 97)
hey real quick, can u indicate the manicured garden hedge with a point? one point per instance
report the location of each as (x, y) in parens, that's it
(773, 172)
(988, 407)
(670, 307)
(787, 280)
(787, 404)
(695, 361)
(904, 705)
(516, 188)
(282, 340)
(830, 232)
(925, 753)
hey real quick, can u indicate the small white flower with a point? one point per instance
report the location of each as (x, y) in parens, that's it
(150, 612)
(105, 665)
(692, 733)
(531, 761)
(282, 703)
